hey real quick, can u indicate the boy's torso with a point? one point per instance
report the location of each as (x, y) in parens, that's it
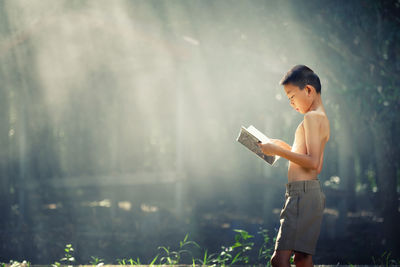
(297, 172)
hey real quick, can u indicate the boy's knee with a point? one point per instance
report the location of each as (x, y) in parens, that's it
(275, 261)
(301, 256)
(279, 259)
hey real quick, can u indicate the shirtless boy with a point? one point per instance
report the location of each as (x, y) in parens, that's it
(301, 215)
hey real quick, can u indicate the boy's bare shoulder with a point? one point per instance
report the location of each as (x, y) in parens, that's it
(315, 114)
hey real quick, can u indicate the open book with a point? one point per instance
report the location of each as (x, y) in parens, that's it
(249, 138)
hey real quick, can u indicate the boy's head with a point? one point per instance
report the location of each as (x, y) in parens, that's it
(302, 86)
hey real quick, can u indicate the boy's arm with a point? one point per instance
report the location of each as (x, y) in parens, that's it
(281, 143)
(313, 144)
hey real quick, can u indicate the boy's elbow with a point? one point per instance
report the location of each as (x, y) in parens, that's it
(314, 164)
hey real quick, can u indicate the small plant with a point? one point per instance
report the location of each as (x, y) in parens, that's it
(131, 261)
(134, 262)
(226, 255)
(68, 257)
(171, 257)
(174, 257)
(243, 244)
(121, 261)
(206, 259)
(223, 257)
(96, 261)
(265, 251)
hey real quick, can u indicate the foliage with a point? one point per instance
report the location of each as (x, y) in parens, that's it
(68, 257)
(237, 253)
(13, 263)
(243, 246)
(96, 261)
(265, 252)
(385, 260)
(174, 257)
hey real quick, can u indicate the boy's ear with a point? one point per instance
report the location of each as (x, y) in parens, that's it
(308, 89)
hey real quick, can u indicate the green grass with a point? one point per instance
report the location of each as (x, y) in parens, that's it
(236, 253)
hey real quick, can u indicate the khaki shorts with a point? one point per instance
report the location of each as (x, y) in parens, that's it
(301, 216)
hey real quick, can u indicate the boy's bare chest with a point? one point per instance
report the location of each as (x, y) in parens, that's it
(299, 144)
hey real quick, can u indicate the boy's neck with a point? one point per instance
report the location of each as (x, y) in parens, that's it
(316, 104)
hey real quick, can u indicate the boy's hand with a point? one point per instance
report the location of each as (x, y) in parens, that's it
(268, 148)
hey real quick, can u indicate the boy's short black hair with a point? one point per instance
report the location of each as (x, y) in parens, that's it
(301, 75)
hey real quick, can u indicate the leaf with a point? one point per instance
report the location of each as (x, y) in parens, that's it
(237, 244)
(237, 237)
(194, 243)
(185, 250)
(166, 250)
(205, 257)
(235, 258)
(152, 262)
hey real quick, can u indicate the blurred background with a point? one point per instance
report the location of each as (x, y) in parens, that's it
(119, 122)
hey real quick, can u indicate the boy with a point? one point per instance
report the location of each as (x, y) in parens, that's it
(301, 215)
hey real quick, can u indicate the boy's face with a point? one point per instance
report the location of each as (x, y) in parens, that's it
(300, 100)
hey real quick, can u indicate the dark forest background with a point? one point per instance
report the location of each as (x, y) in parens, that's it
(119, 122)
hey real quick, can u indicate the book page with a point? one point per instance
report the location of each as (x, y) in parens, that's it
(253, 130)
(249, 138)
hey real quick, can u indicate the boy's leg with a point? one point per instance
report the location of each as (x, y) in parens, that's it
(281, 258)
(302, 259)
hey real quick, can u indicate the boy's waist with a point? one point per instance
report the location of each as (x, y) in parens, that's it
(303, 185)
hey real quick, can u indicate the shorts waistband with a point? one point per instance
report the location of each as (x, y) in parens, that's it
(303, 185)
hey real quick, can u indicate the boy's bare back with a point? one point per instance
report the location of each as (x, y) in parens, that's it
(316, 122)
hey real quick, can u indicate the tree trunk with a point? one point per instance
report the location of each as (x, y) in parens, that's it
(387, 185)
